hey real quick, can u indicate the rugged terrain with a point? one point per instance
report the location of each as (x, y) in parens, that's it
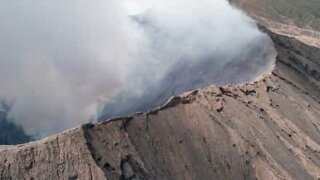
(293, 18)
(269, 129)
(304, 14)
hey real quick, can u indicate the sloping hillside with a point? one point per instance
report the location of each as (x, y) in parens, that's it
(298, 19)
(305, 14)
(269, 129)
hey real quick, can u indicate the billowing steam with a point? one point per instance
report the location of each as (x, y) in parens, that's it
(63, 63)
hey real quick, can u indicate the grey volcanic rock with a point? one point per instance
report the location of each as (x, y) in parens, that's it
(268, 129)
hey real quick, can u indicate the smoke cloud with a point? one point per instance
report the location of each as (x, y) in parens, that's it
(64, 63)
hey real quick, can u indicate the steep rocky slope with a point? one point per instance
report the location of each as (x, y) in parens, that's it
(268, 129)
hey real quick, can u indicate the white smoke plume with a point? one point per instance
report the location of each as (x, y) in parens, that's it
(67, 62)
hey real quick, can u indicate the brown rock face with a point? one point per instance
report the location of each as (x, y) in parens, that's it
(269, 129)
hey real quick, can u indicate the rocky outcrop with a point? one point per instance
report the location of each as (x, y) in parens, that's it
(64, 156)
(307, 36)
(268, 129)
